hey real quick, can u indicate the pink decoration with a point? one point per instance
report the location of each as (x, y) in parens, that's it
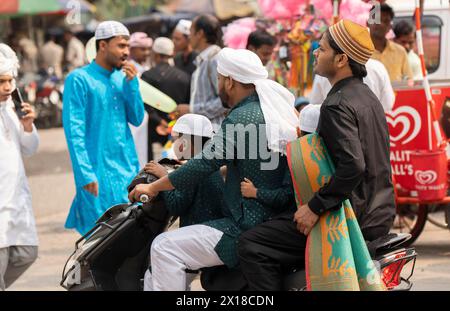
(282, 9)
(354, 10)
(323, 8)
(236, 33)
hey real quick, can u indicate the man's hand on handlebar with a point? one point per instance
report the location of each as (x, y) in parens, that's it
(141, 189)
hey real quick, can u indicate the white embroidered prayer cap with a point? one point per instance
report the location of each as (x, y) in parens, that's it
(193, 124)
(110, 29)
(184, 26)
(309, 118)
(164, 46)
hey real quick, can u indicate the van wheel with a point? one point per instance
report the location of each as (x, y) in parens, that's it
(410, 218)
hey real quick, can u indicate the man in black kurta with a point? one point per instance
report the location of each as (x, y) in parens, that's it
(354, 129)
(356, 135)
(171, 81)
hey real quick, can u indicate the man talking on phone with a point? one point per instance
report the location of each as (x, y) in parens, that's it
(100, 99)
(18, 137)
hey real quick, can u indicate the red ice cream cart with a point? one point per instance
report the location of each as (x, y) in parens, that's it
(419, 125)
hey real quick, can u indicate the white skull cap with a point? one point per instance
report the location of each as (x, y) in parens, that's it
(164, 46)
(193, 124)
(110, 29)
(309, 118)
(184, 26)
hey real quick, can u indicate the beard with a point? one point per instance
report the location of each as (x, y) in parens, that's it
(325, 69)
(115, 62)
(224, 98)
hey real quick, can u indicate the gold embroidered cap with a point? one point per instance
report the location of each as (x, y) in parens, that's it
(354, 40)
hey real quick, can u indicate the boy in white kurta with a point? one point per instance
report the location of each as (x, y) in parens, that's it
(18, 137)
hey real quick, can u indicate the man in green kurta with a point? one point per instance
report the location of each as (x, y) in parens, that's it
(251, 143)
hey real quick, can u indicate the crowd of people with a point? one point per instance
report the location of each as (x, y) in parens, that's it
(232, 211)
(61, 53)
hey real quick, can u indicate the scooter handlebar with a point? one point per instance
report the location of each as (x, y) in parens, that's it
(144, 198)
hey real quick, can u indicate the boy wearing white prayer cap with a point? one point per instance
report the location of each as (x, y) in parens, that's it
(262, 119)
(309, 119)
(196, 206)
(185, 55)
(18, 138)
(100, 100)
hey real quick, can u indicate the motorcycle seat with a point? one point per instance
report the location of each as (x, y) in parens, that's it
(387, 243)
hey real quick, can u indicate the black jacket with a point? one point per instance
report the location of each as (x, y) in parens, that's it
(354, 129)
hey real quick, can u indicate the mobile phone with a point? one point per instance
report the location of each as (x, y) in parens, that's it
(18, 101)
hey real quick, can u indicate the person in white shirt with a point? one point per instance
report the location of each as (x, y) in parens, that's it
(377, 80)
(75, 56)
(52, 55)
(140, 48)
(18, 137)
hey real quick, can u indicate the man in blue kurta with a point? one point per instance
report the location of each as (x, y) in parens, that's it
(100, 99)
(262, 118)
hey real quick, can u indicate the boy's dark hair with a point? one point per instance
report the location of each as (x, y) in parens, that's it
(259, 38)
(358, 70)
(97, 42)
(211, 28)
(385, 8)
(403, 28)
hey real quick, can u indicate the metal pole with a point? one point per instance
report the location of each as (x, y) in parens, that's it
(335, 11)
(426, 82)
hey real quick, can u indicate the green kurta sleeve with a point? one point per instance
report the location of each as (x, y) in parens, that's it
(179, 202)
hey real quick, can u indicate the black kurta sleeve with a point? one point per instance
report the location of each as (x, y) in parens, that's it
(339, 129)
